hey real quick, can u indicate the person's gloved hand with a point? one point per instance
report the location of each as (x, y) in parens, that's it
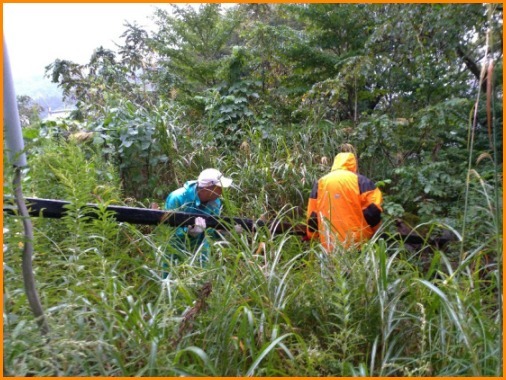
(238, 229)
(198, 227)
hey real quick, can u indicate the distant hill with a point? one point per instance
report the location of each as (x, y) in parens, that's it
(42, 91)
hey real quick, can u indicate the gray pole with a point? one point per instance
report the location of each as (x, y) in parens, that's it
(15, 147)
(12, 126)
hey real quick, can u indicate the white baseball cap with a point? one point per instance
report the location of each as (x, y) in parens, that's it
(213, 177)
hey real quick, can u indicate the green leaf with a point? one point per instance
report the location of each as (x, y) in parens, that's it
(265, 351)
(30, 133)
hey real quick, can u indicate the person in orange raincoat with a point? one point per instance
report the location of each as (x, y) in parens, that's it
(344, 206)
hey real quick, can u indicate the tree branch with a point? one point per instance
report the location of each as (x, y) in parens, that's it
(473, 67)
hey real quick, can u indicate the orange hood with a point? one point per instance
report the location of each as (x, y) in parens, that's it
(345, 161)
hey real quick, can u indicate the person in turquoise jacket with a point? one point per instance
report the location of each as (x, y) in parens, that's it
(197, 197)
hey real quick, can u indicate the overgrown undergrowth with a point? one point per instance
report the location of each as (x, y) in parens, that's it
(262, 94)
(265, 305)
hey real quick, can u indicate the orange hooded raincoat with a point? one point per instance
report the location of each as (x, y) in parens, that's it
(344, 206)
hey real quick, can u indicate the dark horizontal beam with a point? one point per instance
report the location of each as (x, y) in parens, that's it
(52, 208)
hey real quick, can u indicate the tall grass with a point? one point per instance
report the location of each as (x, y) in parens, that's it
(264, 305)
(277, 308)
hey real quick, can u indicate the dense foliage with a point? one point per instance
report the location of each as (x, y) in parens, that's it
(267, 93)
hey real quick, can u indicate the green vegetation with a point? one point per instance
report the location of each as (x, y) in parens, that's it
(267, 93)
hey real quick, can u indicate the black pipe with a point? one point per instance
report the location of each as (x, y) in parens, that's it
(52, 208)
